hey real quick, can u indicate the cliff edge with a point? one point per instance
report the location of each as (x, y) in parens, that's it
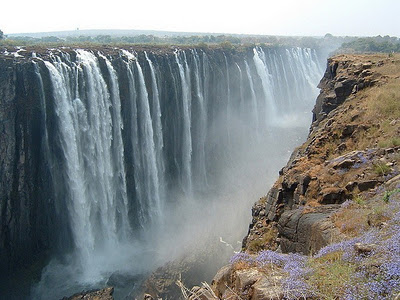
(333, 214)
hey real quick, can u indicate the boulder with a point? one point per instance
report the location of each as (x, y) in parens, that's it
(268, 288)
(221, 280)
(364, 248)
(245, 278)
(333, 195)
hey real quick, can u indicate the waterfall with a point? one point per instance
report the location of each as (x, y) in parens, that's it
(149, 164)
(136, 135)
(158, 134)
(253, 102)
(201, 134)
(121, 197)
(89, 127)
(184, 72)
(263, 73)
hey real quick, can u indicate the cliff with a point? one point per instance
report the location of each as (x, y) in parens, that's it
(336, 201)
(24, 193)
(107, 147)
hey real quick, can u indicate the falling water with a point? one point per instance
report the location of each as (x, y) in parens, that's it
(201, 134)
(158, 134)
(134, 132)
(263, 73)
(187, 135)
(149, 163)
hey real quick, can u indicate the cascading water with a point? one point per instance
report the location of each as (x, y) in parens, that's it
(138, 134)
(186, 174)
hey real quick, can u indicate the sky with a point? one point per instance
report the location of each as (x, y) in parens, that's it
(282, 17)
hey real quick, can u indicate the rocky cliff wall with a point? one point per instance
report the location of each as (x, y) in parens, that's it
(25, 205)
(312, 184)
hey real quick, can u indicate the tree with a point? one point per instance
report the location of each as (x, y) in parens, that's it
(1, 35)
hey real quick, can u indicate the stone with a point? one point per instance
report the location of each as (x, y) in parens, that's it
(366, 73)
(351, 186)
(348, 130)
(102, 294)
(246, 278)
(367, 66)
(364, 248)
(268, 288)
(333, 195)
(367, 185)
(221, 280)
(148, 297)
(344, 164)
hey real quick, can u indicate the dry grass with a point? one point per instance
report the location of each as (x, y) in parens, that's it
(351, 221)
(267, 241)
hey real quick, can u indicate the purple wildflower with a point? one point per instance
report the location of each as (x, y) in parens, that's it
(242, 257)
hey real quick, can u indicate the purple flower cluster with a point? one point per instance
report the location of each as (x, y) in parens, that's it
(345, 246)
(268, 257)
(378, 271)
(294, 265)
(242, 257)
(383, 281)
(294, 285)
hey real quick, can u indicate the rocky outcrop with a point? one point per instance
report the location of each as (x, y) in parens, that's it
(341, 79)
(324, 172)
(103, 294)
(247, 283)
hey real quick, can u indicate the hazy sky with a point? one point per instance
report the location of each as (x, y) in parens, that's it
(282, 17)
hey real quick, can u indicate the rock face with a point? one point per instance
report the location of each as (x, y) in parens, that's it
(323, 172)
(25, 204)
(341, 79)
(103, 294)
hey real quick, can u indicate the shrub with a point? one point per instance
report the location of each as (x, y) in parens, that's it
(381, 168)
(266, 241)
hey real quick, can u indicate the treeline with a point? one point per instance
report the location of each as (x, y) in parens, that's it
(224, 40)
(329, 42)
(385, 44)
(135, 39)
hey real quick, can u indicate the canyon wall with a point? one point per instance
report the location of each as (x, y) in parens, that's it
(97, 144)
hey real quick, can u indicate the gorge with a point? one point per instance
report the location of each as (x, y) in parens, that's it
(118, 159)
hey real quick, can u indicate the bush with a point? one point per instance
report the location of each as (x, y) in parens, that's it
(381, 168)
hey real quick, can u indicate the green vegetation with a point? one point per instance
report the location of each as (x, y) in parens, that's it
(359, 200)
(387, 194)
(331, 275)
(266, 242)
(226, 41)
(380, 168)
(393, 142)
(384, 44)
(1, 35)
